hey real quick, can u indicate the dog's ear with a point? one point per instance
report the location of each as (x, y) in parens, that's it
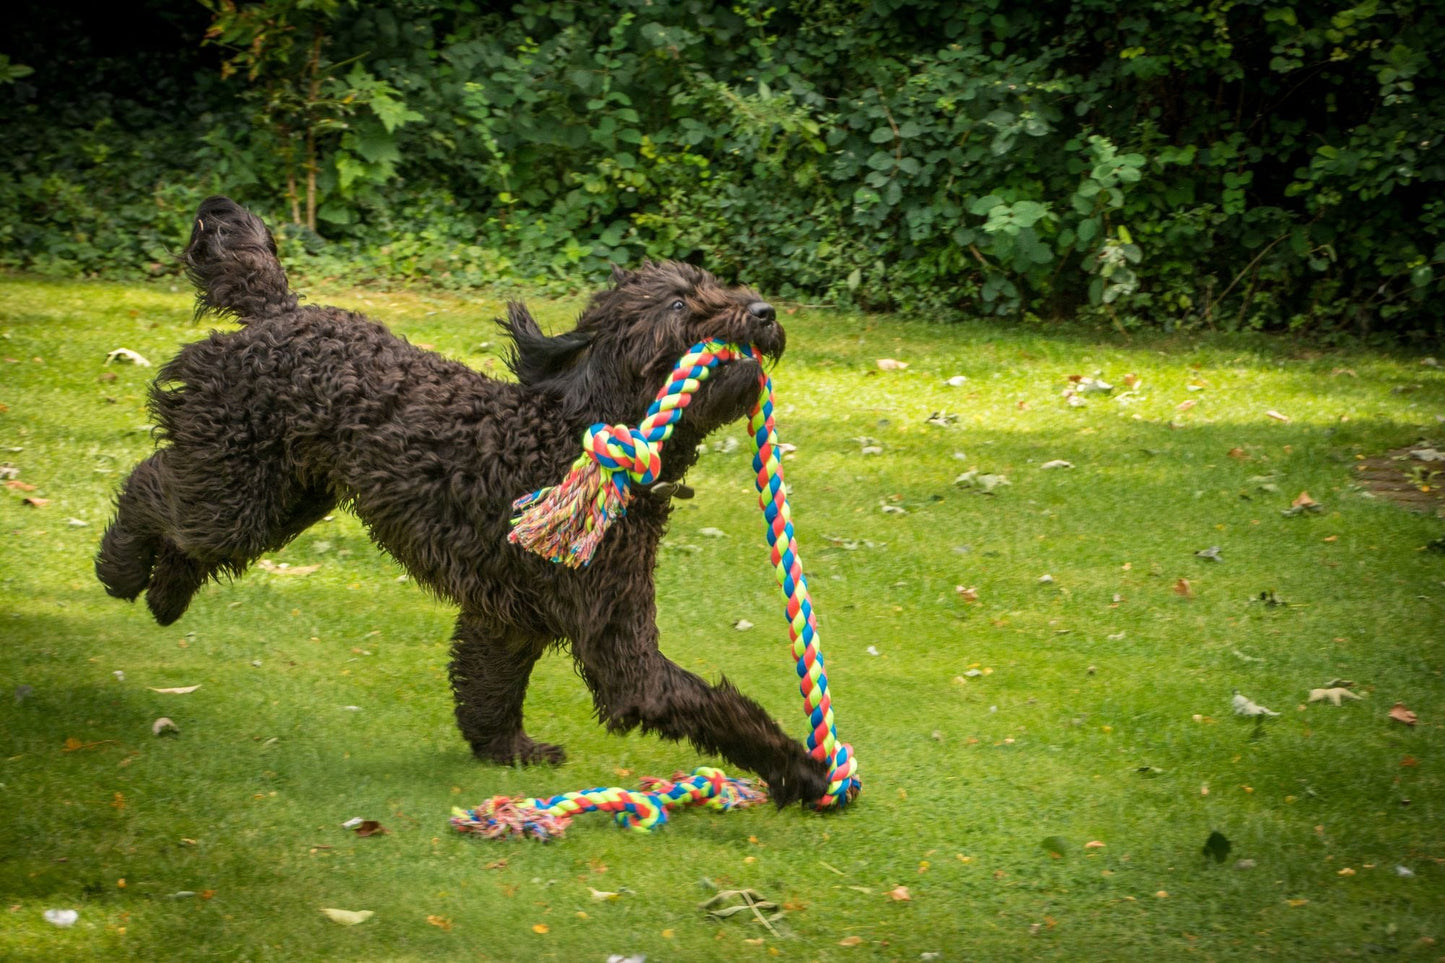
(534, 357)
(620, 275)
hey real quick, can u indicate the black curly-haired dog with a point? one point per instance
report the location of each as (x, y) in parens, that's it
(265, 429)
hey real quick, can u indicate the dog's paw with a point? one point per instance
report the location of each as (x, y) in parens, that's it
(805, 781)
(520, 750)
(541, 754)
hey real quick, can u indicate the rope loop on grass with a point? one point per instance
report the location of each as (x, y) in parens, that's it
(566, 522)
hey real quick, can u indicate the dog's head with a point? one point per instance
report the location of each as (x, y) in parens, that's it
(629, 337)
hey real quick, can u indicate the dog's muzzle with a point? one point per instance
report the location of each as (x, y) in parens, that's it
(764, 329)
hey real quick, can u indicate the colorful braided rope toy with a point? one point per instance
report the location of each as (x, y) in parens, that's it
(565, 523)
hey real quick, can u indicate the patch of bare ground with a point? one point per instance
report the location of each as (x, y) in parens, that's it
(1413, 478)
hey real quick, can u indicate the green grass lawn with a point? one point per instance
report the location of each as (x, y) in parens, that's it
(1091, 708)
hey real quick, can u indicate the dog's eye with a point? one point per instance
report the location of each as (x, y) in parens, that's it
(677, 305)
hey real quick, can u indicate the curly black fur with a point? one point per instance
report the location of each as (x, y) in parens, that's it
(265, 429)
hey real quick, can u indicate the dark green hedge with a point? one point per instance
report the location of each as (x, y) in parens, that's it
(1228, 164)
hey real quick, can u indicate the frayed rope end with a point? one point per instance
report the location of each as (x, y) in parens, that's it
(502, 816)
(565, 523)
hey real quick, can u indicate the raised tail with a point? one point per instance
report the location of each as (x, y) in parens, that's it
(232, 261)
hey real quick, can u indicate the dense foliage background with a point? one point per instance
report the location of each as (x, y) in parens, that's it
(1226, 163)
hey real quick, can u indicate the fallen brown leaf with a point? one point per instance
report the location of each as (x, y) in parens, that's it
(1184, 589)
(178, 690)
(75, 745)
(891, 364)
(899, 894)
(1186, 405)
(1399, 713)
(16, 485)
(440, 921)
(34, 502)
(370, 827)
(850, 941)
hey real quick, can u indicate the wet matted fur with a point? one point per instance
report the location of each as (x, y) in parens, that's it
(264, 430)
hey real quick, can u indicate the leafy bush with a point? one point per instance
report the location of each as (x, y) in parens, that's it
(1245, 165)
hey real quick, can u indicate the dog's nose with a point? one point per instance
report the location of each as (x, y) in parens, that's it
(763, 311)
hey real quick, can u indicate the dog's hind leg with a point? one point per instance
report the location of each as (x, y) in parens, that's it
(128, 549)
(176, 578)
(489, 671)
(633, 684)
(181, 571)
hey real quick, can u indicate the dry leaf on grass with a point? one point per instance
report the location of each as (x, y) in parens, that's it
(178, 690)
(899, 894)
(347, 917)
(1333, 696)
(128, 356)
(1184, 589)
(284, 568)
(1303, 505)
(370, 827)
(891, 364)
(164, 726)
(985, 483)
(1399, 713)
(1245, 706)
(746, 904)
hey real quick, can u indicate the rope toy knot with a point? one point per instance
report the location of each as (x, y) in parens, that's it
(565, 523)
(624, 453)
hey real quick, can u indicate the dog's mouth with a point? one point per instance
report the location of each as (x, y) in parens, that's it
(755, 327)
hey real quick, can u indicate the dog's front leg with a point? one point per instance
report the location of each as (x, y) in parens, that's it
(633, 684)
(490, 666)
